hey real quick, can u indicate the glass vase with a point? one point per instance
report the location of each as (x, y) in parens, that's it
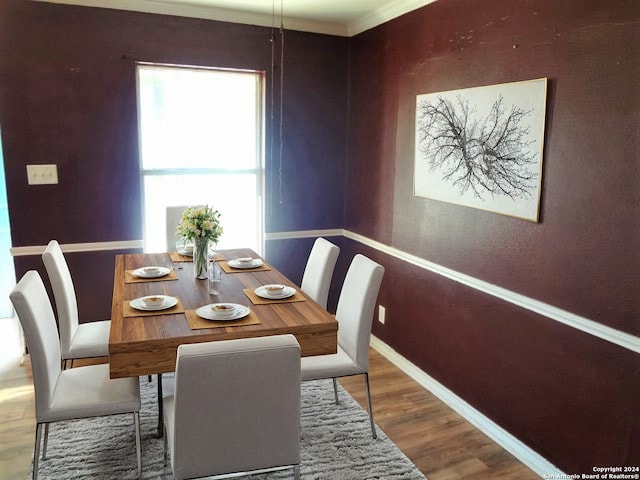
(200, 257)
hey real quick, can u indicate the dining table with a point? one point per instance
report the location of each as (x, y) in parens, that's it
(144, 340)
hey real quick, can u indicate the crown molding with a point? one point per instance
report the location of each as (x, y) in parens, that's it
(210, 13)
(382, 15)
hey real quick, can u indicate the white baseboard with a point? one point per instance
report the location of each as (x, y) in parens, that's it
(522, 452)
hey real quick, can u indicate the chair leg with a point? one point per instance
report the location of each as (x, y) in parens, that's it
(165, 443)
(46, 440)
(160, 408)
(335, 389)
(136, 422)
(36, 451)
(373, 425)
(296, 472)
(167, 467)
(64, 364)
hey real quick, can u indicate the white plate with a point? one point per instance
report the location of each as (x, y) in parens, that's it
(207, 313)
(189, 253)
(286, 293)
(139, 272)
(168, 302)
(182, 243)
(253, 264)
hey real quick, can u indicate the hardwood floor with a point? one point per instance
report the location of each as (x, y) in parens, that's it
(440, 442)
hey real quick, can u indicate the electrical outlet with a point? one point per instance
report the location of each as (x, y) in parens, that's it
(381, 314)
(42, 174)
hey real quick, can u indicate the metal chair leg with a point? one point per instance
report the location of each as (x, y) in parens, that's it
(166, 449)
(36, 451)
(160, 408)
(167, 468)
(46, 440)
(373, 425)
(335, 390)
(136, 422)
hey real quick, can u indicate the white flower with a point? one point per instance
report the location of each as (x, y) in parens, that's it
(200, 222)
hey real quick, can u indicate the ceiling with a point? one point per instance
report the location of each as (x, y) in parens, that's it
(332, 17)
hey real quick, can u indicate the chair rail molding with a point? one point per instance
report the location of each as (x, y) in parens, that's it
(78, 247)
(304, 234)
(609, 334)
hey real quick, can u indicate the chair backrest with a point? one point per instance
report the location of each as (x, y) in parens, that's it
(30, 299)
(63, 292)
(355, 309)
(318, 272)
(237, 406)
(173, 217)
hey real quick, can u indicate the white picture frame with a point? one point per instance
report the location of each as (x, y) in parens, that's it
(482, 147)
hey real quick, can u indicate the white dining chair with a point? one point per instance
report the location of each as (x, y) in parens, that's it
(60, 395)
(172, 218)
(234, 407)
(354, 313)
(77, 340)
(318, 271)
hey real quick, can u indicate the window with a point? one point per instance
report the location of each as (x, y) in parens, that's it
(201, 142)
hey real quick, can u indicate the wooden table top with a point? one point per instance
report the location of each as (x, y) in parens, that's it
(147, 344)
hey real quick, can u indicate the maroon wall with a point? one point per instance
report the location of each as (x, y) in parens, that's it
(68, 96)
(569, 395)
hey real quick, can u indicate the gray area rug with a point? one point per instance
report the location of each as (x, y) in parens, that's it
(336, 444)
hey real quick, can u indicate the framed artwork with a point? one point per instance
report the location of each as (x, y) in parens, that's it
(482, 147)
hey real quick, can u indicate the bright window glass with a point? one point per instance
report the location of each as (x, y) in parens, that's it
(201, 142)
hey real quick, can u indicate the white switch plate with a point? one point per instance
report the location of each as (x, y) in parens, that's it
(42, 174)
(381, 314)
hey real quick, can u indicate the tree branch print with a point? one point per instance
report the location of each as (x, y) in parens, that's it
(488, 155)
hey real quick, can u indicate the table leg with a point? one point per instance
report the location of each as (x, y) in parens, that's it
(160, 412)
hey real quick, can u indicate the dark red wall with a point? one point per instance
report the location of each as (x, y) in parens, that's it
(68, 96)
(569, 395)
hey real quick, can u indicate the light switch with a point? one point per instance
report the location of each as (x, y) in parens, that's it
(42, 174)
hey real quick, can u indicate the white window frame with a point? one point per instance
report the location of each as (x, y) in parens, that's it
(257, 171)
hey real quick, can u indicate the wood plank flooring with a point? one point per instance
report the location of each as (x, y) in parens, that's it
(440, 442)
